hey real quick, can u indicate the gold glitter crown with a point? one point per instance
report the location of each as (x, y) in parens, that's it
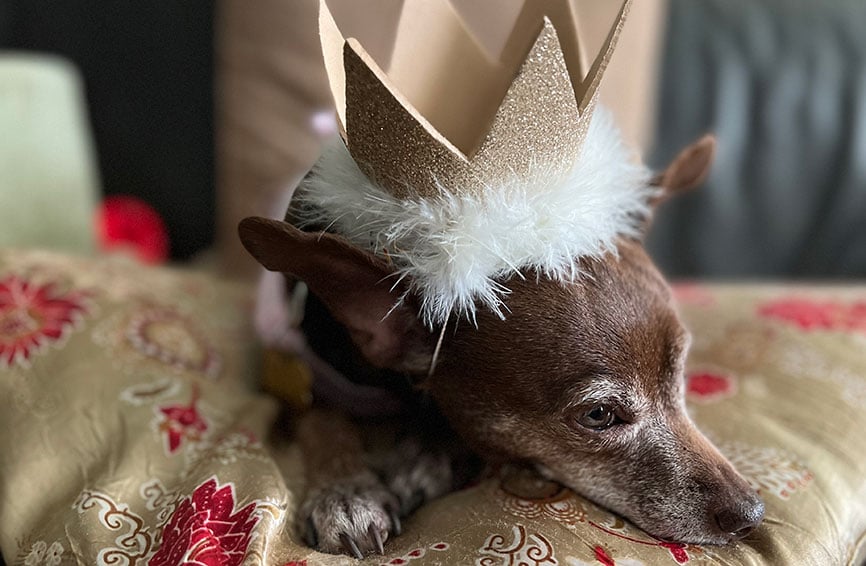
(542, 120)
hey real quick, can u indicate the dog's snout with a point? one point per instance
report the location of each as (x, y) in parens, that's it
(740, 519)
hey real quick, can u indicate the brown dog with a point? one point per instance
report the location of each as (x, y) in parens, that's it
(582, 380)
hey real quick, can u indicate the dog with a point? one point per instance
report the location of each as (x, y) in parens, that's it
(581, 380)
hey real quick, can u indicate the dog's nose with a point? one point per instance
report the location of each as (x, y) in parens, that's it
(740, 519)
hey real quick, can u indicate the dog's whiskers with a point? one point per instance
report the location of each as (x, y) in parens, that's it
(438, 346)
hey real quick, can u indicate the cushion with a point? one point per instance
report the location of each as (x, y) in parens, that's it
(133, 432)
(48, 173)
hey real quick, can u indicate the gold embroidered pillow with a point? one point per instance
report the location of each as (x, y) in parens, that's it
(131, 432)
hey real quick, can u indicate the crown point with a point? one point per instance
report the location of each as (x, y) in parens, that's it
(542, 120)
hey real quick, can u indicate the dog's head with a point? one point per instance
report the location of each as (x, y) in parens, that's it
(584, 380)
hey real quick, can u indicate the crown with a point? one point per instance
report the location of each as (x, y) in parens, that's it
(538, 183)
(544, 115)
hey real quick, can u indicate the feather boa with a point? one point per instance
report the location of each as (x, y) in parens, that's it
(456, 250)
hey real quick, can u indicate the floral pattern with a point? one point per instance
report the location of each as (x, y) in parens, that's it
(416, 554)
(603, 558)
(710, 386)
(41, 554)
(206, 529)
(134, 541)
(179, 423)
(530, 497)
(165, 335)
(202, 529)
(157, 498)
(227, 449)
(768, 469)
(524, 549)
(811, 314)
(34, 316)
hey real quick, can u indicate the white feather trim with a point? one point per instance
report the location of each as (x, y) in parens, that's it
(456, 249)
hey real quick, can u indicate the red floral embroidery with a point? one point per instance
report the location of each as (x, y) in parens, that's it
(530, 497)
(33, 317)
(416, 554)
(205, 529)
(296, 563)
(181, 422)
(677, 550)
(603, 557)
(817, 315)
(708, 387)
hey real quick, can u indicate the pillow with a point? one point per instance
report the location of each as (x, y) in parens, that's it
(133, 433)
(48, 170)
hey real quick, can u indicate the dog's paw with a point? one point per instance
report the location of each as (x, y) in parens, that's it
(354, 516)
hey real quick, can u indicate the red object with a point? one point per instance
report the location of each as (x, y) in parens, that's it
(603, 557)
(811, 314)
(181, 422)
(126, 222)
(205, 529)
(32, 317)
(677, 550)
(709, 386)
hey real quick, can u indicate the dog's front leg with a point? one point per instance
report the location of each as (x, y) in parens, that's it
(346, 509)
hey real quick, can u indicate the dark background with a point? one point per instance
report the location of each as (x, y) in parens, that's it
(148, 74)
(781, 82)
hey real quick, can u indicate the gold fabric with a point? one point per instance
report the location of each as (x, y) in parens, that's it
(132, 432)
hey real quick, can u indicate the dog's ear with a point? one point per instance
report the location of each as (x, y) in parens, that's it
(355, 285)
(688, 169)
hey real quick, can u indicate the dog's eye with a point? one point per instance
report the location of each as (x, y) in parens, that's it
(598, 417)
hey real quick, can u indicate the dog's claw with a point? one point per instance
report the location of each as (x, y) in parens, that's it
(350, 546)
(353, 517)
(377, 538)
